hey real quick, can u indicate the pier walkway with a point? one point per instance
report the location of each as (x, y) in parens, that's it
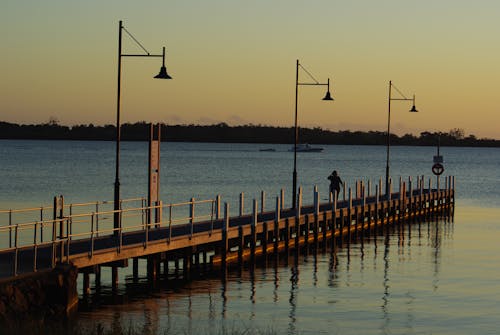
(201, 232)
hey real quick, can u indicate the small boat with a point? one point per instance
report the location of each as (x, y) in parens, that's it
(268, 149)
(305, 147)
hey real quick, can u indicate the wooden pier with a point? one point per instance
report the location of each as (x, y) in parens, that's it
(208, 235)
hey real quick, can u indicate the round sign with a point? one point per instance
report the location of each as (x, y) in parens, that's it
(437, 169)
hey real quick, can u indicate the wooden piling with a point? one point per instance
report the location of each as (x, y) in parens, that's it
(277, 217)
(225, 227)
(253, 229)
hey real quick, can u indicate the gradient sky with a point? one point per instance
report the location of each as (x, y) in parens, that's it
(234, 61)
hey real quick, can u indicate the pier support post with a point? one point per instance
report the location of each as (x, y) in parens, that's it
(86, 283)
(225, 227)
(262, 201)
(97, 278)
(334, 218)
(114, 278)
(217, 206)
(152, 268)
(277, 217)
(242, 203)
(316, 217)
(253, 227)
(349, 217)
(297, 220)
(135, 269)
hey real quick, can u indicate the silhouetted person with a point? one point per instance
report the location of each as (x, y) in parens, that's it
(335, 183)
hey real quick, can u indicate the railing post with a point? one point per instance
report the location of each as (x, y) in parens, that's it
(349, 217)
(343, 191)
(41, 224)
(389, 191)
(277, 217)
(334, 217)
(377, 205)
(297, 218)
(262, 201)
(169, 223)
(217, 206)
(316, 215)
(282, 200)
(35, 247)
(363, 214)
(17, 250)
(92, 235)
(253, 227)
(225, 228)
(242, 203)
(10, 228)
(191, 217)
(159, 213)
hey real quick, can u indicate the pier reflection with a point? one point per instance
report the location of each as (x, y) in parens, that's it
(312, 288)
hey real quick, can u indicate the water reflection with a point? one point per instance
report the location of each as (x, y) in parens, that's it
(333, 283)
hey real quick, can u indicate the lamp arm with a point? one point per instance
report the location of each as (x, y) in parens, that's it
(315, 84)
(139, 55)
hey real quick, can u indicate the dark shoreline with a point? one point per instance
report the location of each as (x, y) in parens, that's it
(223, 133)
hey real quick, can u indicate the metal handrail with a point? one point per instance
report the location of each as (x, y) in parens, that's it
(90, 218)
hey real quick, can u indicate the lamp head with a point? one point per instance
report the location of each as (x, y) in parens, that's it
(163, 74)
(413, 109)
(328, 96)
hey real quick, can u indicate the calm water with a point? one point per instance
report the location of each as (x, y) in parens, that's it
(433, 278)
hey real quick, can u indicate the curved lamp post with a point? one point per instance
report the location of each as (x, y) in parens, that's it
(412, 110)
(327, 97)
(161, 75)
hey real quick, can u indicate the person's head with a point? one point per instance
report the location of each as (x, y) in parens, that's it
(334, 173)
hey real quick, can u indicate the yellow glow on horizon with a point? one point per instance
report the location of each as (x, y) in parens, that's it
(235, 62)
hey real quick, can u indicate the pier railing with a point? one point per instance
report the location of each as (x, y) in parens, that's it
(60, 233)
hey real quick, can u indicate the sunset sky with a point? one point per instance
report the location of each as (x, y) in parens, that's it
(234, 62)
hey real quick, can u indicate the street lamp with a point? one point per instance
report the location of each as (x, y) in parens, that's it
(412, 110)
(161, 75)
(327, 97)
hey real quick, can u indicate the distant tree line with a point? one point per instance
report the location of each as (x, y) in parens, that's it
(222, 132)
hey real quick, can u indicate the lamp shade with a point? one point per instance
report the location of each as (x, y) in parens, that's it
(163, 74)
(328, 96)
(413, 109)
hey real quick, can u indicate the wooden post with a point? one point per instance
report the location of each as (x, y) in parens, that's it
(135, 269)
(282, 200)
(334, 217)
(225, 227)
(86, 283)
(343, 190)
(364, 215)
(262, 201)
(297, 219)
(191, 217)
(349, 217)
(242, 203)
(277, 217)
(241, 244)
(377, 207)
(316, 215)
(152, 268)
(114, 278)
(217, 206)
(253, 227)
(265, 234)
